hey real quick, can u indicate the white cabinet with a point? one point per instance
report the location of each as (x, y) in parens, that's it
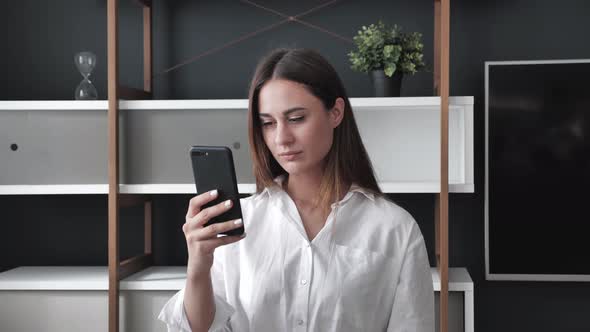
(75, 298)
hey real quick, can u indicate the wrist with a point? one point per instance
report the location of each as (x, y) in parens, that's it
(197, 277)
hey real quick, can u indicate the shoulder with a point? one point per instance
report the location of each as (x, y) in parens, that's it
(255, 200)
(251, 210)
(382, 224)
(255, 207)
(388, 213)
(404, 229)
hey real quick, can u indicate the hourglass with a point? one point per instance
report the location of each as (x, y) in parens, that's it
(85, 62)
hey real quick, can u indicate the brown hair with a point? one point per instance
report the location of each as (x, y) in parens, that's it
(347, 161)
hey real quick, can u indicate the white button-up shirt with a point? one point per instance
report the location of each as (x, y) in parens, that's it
(366, 270)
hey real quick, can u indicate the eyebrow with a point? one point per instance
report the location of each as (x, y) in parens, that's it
(287, 112)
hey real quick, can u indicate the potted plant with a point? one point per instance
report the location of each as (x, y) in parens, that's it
(387, 54)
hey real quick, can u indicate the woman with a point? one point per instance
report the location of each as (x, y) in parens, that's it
(325, 251)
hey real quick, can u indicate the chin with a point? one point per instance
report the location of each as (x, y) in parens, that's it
(292, 168)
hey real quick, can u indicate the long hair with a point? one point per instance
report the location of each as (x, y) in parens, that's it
(347, 161)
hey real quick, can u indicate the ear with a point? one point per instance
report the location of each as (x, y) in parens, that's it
(336, 114)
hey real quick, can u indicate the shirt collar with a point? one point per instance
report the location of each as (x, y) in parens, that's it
(354, 188)
(271, 190)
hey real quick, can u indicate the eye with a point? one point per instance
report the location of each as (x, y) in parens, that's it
(266, 123)
(296, 119)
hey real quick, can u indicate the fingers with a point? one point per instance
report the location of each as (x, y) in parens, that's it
(204, 240)
(205, 215)
(208, 246)
(211, 231)
(221, 241)
(196, 202)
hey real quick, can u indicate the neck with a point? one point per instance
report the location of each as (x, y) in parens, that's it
(303, 188)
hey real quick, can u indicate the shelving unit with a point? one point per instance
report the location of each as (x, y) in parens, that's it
(159, 283)
(439, 129)
(419, 114)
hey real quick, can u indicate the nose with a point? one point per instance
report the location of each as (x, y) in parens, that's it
(283, 135)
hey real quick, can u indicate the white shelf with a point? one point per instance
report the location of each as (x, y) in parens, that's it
(249, 188)
(55, 105)
(152, 278)
(189, 188)
(376, 103)
(175, 188)
(459, 280)
(55, 278)
(380, 103)
(54, 189)
(156, 278)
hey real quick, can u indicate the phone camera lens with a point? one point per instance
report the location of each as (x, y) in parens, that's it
(13, 147)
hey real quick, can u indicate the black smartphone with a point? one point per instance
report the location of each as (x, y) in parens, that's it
(213, 168)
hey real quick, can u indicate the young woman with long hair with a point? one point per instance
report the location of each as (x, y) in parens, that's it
(325, 250)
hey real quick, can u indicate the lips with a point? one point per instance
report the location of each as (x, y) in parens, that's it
(291, 155)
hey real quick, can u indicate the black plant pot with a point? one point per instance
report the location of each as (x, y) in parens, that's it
(385, 86)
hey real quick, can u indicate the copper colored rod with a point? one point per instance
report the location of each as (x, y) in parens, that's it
(144, 3)
(133, 93)
(264, 8)
(147, 226)
(224, 46)
(317, 8)
(442, 37)
(295, 18)
(147, 49)
(113, 164)
(333, 34)
(287, 18)
(134, 265)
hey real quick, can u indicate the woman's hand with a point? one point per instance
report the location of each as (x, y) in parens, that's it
(202, 241)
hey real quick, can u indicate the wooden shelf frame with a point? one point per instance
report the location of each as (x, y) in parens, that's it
(441, 85)
(441, 213)
(118, 270)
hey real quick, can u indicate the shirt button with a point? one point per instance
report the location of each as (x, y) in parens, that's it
(300, 322)
(303, 281)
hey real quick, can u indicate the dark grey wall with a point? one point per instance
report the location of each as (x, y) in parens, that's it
(41, 38)
(511, 30)
(203, 25)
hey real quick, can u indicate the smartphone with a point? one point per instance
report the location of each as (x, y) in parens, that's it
(213, 168)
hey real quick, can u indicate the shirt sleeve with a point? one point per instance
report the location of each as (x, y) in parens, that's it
(413, 306)
(174, 315)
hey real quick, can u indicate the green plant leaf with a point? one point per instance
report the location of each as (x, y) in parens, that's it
(379, 46)
(389, 69)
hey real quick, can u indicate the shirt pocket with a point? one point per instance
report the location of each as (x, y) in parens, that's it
(358, 275)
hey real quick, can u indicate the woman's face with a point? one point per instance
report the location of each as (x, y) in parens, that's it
(296, 127)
